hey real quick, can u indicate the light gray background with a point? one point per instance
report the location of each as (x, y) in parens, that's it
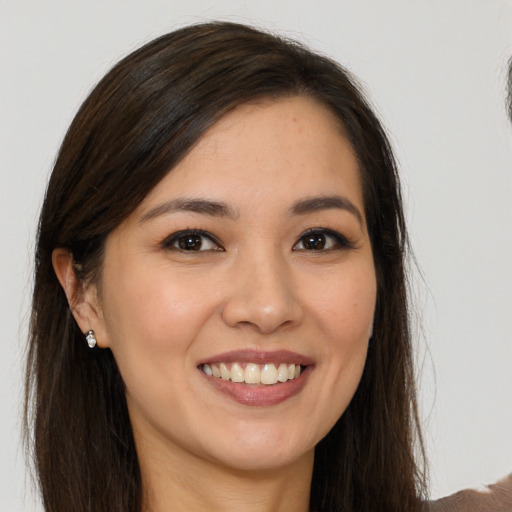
(435, 69)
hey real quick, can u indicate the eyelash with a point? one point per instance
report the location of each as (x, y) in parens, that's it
(173, 241)
(339, 241)
(178, 239)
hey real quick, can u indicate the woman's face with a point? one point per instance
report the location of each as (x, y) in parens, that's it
(251, 259)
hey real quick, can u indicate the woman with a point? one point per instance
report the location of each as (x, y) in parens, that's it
(220, 312)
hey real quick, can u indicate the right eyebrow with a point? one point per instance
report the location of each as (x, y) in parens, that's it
(184, 204)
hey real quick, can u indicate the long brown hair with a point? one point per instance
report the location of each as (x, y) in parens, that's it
(135, 126)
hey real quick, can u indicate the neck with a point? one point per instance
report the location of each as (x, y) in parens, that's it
(181, 481)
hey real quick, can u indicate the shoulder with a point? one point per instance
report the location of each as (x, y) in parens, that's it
(491, 498)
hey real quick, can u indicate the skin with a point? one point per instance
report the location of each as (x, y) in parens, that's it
(256, 285)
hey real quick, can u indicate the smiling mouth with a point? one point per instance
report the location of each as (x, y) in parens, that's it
(266, 374)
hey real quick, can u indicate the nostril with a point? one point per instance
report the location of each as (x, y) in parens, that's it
(249, 313)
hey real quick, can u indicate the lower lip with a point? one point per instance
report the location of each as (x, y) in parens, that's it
(259, 395)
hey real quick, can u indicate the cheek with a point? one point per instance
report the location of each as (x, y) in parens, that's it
(344, 317)
(150, 312)
(346, 309)
(152, 318)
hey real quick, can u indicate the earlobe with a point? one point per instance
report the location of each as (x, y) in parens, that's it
(82, 300)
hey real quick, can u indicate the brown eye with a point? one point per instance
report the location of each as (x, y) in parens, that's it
(192, 241)
(319, 239)
(314, 242)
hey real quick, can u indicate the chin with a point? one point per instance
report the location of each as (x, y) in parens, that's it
(264, 461)
(265, 450)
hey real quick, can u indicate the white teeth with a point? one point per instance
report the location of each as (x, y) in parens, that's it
(253, 373)
(224, 372)
(269, 374)
(237, 373)
(282, 373)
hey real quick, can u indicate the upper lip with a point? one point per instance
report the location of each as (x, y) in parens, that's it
(259, 356)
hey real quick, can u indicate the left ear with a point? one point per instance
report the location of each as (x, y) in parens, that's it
(82, 297)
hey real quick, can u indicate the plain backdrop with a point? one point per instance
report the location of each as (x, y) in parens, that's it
(434, 69)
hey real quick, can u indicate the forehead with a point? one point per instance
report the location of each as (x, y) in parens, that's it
(267, 151)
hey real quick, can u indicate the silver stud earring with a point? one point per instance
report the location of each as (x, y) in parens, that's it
(91, 339)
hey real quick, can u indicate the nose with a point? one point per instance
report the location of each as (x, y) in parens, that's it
(263, 295)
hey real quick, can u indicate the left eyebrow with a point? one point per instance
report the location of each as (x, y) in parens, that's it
(319, 203)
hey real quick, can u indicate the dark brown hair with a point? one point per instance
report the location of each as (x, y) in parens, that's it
(136, 125)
